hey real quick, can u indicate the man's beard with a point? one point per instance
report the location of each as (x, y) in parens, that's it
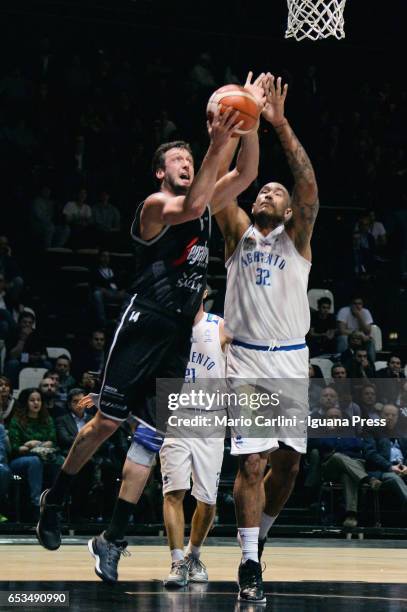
(265, 219)
(177, 189)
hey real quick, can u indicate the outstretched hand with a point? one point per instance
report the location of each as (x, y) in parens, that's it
(273, 110)
(223, 126)
(256, 88)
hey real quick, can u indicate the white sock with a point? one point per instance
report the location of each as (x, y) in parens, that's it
(195, 551)
(177, 554)
(265, 524)
(248, 538)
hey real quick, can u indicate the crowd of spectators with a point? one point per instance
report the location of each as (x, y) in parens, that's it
(78, 127)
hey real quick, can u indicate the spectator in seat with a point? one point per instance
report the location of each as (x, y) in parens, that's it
(33, 444)
(49, 390)
(386, 457)
(6, 400)
(392, 380)
(92, 356)
(106, 217)
(78, 216)
(10, 270)
(355, 342)
(67, 427)
(342, 385)
(321, 337)
(5, 472)
(375, 228)
(329, 399)
(105, 287)
(45, 228)
(342, 461)
(26, 349)
(66, 381)
(361, 367)
(370, 407)
(355, 318)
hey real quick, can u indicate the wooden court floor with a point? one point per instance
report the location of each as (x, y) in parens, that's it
(364, 561)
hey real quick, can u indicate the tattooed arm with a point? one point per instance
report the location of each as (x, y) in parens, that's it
(304, 201)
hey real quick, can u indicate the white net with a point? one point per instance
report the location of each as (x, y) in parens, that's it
(315, 19)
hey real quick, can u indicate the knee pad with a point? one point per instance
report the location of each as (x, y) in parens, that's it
(148, 438)
(141, 455)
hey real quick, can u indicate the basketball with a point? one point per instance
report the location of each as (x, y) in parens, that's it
(241, 100)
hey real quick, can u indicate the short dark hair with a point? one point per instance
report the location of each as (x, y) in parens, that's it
(392, 357)
(158, 162)
(63, 356)
(324, 300)
(338, 364)
(73, 392)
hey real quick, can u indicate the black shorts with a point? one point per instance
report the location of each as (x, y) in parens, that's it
(149, 343)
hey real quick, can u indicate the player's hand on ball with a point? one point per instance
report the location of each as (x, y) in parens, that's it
(223, 126)
(86, 402)
(273, 110)
(256, 88)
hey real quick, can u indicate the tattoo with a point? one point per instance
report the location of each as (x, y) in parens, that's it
(305, 203)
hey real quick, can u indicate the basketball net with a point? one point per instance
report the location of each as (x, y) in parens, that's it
(315, 19)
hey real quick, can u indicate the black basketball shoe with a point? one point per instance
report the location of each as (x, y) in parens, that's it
(48, 528)
(107, 555)
(251, 582)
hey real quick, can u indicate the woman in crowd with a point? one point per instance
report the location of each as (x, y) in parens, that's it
(33, 444)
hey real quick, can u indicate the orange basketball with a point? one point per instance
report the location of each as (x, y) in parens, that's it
(241, 100)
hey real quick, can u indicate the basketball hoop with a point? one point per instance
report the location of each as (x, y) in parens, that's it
(315, 19)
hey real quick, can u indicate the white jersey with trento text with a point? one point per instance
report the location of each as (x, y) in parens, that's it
(206, 359)
(198, 456)
(266, 295)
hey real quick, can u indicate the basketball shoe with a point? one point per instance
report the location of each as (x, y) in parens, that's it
(178, 576)
(196, 569)
(48, 528)
(251, 582)
(107, 555)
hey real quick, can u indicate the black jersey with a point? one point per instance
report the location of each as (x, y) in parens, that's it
(171, 268)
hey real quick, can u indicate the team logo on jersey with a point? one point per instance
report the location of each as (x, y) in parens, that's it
(249, 244)
(185, 253)
(194, 254)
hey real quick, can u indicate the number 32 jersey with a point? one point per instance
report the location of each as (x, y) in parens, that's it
(266, 292)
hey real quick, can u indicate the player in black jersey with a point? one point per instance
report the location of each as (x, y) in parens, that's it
(171, 230)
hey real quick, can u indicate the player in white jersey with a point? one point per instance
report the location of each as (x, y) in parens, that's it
(267, 316)
(200, 457)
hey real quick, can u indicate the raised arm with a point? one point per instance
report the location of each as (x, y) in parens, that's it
(165, 208)
(234, 182)
(304, 202)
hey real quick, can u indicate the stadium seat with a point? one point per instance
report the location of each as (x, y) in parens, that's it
(315, 294)
(325, 365)
(30, 377)
(377, 337)
(54, 352)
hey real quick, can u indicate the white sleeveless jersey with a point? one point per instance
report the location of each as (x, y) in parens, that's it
(206, 359)
(266, 292)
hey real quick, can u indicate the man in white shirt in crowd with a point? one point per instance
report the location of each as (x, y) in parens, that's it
(355, 318)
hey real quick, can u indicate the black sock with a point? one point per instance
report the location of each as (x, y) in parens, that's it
(61, 488)
(120, 519)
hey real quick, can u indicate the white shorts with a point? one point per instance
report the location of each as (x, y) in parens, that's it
(200, 458)
(252, 364)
